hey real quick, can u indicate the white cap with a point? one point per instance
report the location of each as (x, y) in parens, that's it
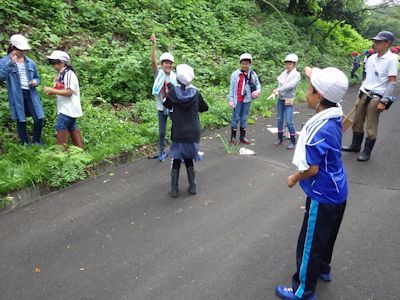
(184, 74)
(330, 83)
(59, 55)
(291, 57)
(246, 56)
(20, 42)
(166, 56)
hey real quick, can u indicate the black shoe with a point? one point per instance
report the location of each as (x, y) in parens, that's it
(369, 145)
(356, 142)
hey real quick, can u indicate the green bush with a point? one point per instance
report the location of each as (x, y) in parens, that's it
(110, 49)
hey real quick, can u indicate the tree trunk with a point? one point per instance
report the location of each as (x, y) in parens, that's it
(292, 6)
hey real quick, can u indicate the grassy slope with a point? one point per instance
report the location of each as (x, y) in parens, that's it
(108, 41)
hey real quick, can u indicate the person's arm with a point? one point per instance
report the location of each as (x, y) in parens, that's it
(5, 67)
(52, 91)
(168, 102)
(70, 83)
(153, 52)
(36, 78)
(257, 82)
(231, 89)
(203, 106)
(390, 92)
(296, 177)
(257, 92)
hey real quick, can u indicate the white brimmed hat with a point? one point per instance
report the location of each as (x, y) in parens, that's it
(59, 55)
(166, 56)
(291, 57)
(330, 83)
(184, 74)
(246, 56)
(20, 42)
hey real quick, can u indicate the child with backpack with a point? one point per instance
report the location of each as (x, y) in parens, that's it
(244, 87)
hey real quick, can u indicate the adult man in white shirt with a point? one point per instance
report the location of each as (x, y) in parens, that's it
(376, 94)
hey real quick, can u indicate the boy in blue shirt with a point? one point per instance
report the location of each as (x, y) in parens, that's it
(322, 177)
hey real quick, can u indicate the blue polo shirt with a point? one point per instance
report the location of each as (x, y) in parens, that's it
(324, 150)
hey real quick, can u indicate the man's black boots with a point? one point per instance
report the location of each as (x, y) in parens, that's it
(174, 183)
(192, 180)
(356, 143)
(369, 145)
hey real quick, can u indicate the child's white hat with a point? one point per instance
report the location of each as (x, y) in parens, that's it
(59, 55)
(184, 74)
(331, 83)
(166, 56)
(246, 56)
(291, 57)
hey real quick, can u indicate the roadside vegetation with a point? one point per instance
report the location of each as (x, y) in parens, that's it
(110, 49)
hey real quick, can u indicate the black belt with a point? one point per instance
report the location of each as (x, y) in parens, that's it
(370, 94)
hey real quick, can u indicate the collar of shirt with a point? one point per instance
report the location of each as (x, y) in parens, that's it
(384, 55)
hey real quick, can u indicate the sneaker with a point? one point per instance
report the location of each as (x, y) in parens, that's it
(162, 156)
(286, 293)
(291, 146)
(278, 142)
(325, 276)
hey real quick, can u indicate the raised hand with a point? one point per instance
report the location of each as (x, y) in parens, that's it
(13, 56)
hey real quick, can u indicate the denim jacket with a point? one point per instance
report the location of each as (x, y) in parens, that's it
(9, 73)
(234, 86)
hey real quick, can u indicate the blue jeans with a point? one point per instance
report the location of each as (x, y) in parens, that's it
(37, 123)
(65, 122)
(240, 113)
(286, 111)
(162, 128)
(354, 70)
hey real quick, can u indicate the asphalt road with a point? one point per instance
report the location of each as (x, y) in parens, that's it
(120, 235)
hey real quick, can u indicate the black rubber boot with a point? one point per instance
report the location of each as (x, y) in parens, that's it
(356, 143)
(279, 140)
(369, 145)
(233, 135)
(191, 174)
(174, 183)
(243, 138)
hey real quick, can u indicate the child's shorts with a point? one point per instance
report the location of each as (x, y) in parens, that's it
(65, 122)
